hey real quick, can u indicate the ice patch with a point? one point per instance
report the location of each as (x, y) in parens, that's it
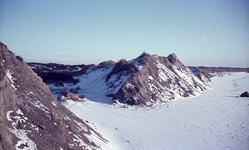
(19, 112)
(24, 139)
(135, 98)
(39, 105)
(130, 85)
(67, 118)
(54, 103)
(8, 115)
(21, 134)
(8, 73)
(150, 77)
(31, 93)
(162, 75)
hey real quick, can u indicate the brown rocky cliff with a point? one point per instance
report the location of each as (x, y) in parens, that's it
(30, 116)
(161, 79)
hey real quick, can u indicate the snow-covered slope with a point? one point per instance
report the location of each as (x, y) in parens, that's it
(146, 80)
(215, 120)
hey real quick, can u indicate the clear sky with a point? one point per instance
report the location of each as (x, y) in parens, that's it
(199, 32)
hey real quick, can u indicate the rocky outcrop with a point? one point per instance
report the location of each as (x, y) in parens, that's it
(245, 94)
(159, 80)
(67, 95)
(145, 80)
(30, 116)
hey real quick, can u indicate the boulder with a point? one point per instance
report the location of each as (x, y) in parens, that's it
(245, 94)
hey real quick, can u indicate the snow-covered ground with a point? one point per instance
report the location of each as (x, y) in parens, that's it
(217, 119)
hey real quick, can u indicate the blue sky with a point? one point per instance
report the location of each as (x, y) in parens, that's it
(199, 32)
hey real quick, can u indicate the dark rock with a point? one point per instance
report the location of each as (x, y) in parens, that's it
(123, 66)
(19, 58)
(66, 95)
(158, 76)
(245, 94)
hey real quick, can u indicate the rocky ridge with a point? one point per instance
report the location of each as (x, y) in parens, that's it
(30, 116)
(145, 81)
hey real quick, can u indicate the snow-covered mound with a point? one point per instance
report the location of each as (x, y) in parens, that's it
(146, 80)
(215, 120)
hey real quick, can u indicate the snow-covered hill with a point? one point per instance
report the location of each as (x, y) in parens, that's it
(217, 120)
(146, 80)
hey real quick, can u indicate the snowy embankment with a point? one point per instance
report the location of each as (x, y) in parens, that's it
(217, 119)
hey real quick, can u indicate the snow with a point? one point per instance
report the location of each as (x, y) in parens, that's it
(162, 75)
(8, 73)
(8, 115)
(217, 119)
(21, 134)
(81, 126)
(117, 81)
(183, 77)
(54, 103)
(19, 112)
(39, 105)
(31, 93)
(24, 139)
(129, 85)
(150, 77)
(94, 84)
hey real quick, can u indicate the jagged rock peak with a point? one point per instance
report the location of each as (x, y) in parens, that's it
(144, 54)
(172, 58)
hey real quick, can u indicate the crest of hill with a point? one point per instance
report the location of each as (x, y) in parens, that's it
(159, 80)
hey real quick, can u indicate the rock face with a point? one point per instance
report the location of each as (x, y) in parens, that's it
(245, 94)
(30, 116)
(146, 80)
(159, 79)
